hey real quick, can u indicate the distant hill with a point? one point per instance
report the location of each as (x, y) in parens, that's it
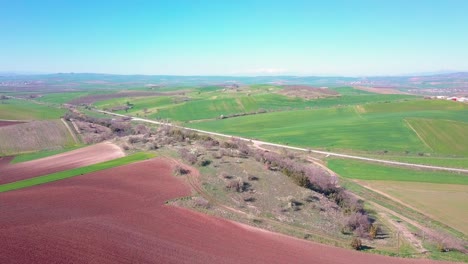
(448, 83)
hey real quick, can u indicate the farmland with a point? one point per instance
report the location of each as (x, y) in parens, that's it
(442, 136)
(342, 119)
(40, 154)
(443, 202)
(212, 103)
(440, 195)
(367, 171)
(65, 161)
(61, 98)
(360, 128)
(105, 229)
(14, 109)
(34, 136)
(64, 174)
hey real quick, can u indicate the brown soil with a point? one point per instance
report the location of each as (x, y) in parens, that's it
(307, 92)
(65, 161)
(119, 216)
(380, 90)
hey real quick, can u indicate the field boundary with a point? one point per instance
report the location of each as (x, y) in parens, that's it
(70, 130)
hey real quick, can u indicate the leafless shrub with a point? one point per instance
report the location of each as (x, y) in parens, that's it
(188, 156)
(359, 223)
(152, 146)
(140, 129)
(252, 178)
(249, 199)
(225, 175)
(179, 170)
(201, 202)
(216, 155)
(204, 162)
(235, 185)
(133, 140)
(445, 242)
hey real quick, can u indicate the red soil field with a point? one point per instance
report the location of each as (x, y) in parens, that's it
(9, 123)
(69, 160)
(119, 216)
(5, 160)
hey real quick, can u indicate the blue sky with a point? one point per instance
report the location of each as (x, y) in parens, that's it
(234, 37)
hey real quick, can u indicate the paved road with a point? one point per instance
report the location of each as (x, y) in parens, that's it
(327, 153)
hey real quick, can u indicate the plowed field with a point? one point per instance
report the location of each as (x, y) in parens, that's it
(119, 216)
(69, 160)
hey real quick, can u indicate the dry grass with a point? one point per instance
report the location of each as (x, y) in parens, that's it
(34, 136)
(444, 202)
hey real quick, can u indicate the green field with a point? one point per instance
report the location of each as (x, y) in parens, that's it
(13, 109)
(60, 98)
(75, 172)
(342, 128)
(419, 105)
(453, 162)
(443, 136)
(361, 170)
(212, 102)
(139, 103)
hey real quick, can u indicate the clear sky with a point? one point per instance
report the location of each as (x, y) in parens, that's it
(222, 37)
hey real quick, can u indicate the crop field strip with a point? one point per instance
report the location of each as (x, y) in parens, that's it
(361, 170)
(74, 172)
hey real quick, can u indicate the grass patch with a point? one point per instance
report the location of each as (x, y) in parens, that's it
(41, 154)
(75, 172)
(353, 169)
(24, 110)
